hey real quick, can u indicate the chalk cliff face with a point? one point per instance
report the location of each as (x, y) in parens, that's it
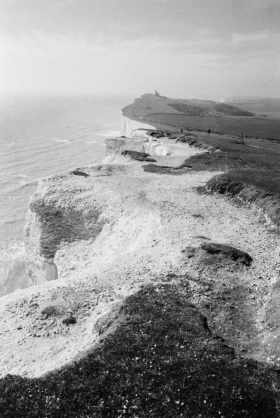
(130, 126)
(51, 221)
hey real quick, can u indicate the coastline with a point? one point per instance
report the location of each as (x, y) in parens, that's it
(114, 229)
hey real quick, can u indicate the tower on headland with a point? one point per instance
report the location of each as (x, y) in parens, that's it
(156, 93)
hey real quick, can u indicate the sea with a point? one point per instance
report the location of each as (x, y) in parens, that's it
(39, 136)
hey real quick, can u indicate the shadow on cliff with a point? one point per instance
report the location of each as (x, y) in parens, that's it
(157, 358)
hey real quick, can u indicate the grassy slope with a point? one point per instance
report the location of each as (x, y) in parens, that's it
(259, 167)
(158, 359)
(201, 115)
(256, 127)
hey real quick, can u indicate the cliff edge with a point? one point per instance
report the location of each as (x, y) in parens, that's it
(146, 288)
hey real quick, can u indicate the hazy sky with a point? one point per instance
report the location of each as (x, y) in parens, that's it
(183, 48)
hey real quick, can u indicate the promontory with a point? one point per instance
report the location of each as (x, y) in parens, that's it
(155, 274)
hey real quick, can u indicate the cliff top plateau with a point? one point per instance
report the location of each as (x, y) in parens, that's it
(155, 274)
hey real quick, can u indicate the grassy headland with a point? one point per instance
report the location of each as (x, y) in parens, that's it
(201, 115)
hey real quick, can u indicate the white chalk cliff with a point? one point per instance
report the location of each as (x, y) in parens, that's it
(130, 127)
(94, 236)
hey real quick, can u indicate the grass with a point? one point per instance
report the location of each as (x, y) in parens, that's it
(226, 118)
(232, 110)
(231, 125)
(188, 109)
(259, 167)
(158, 359)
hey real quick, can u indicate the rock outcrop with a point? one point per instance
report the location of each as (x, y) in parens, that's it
(138, 156)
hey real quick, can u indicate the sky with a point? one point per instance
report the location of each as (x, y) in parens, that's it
(208, 49)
